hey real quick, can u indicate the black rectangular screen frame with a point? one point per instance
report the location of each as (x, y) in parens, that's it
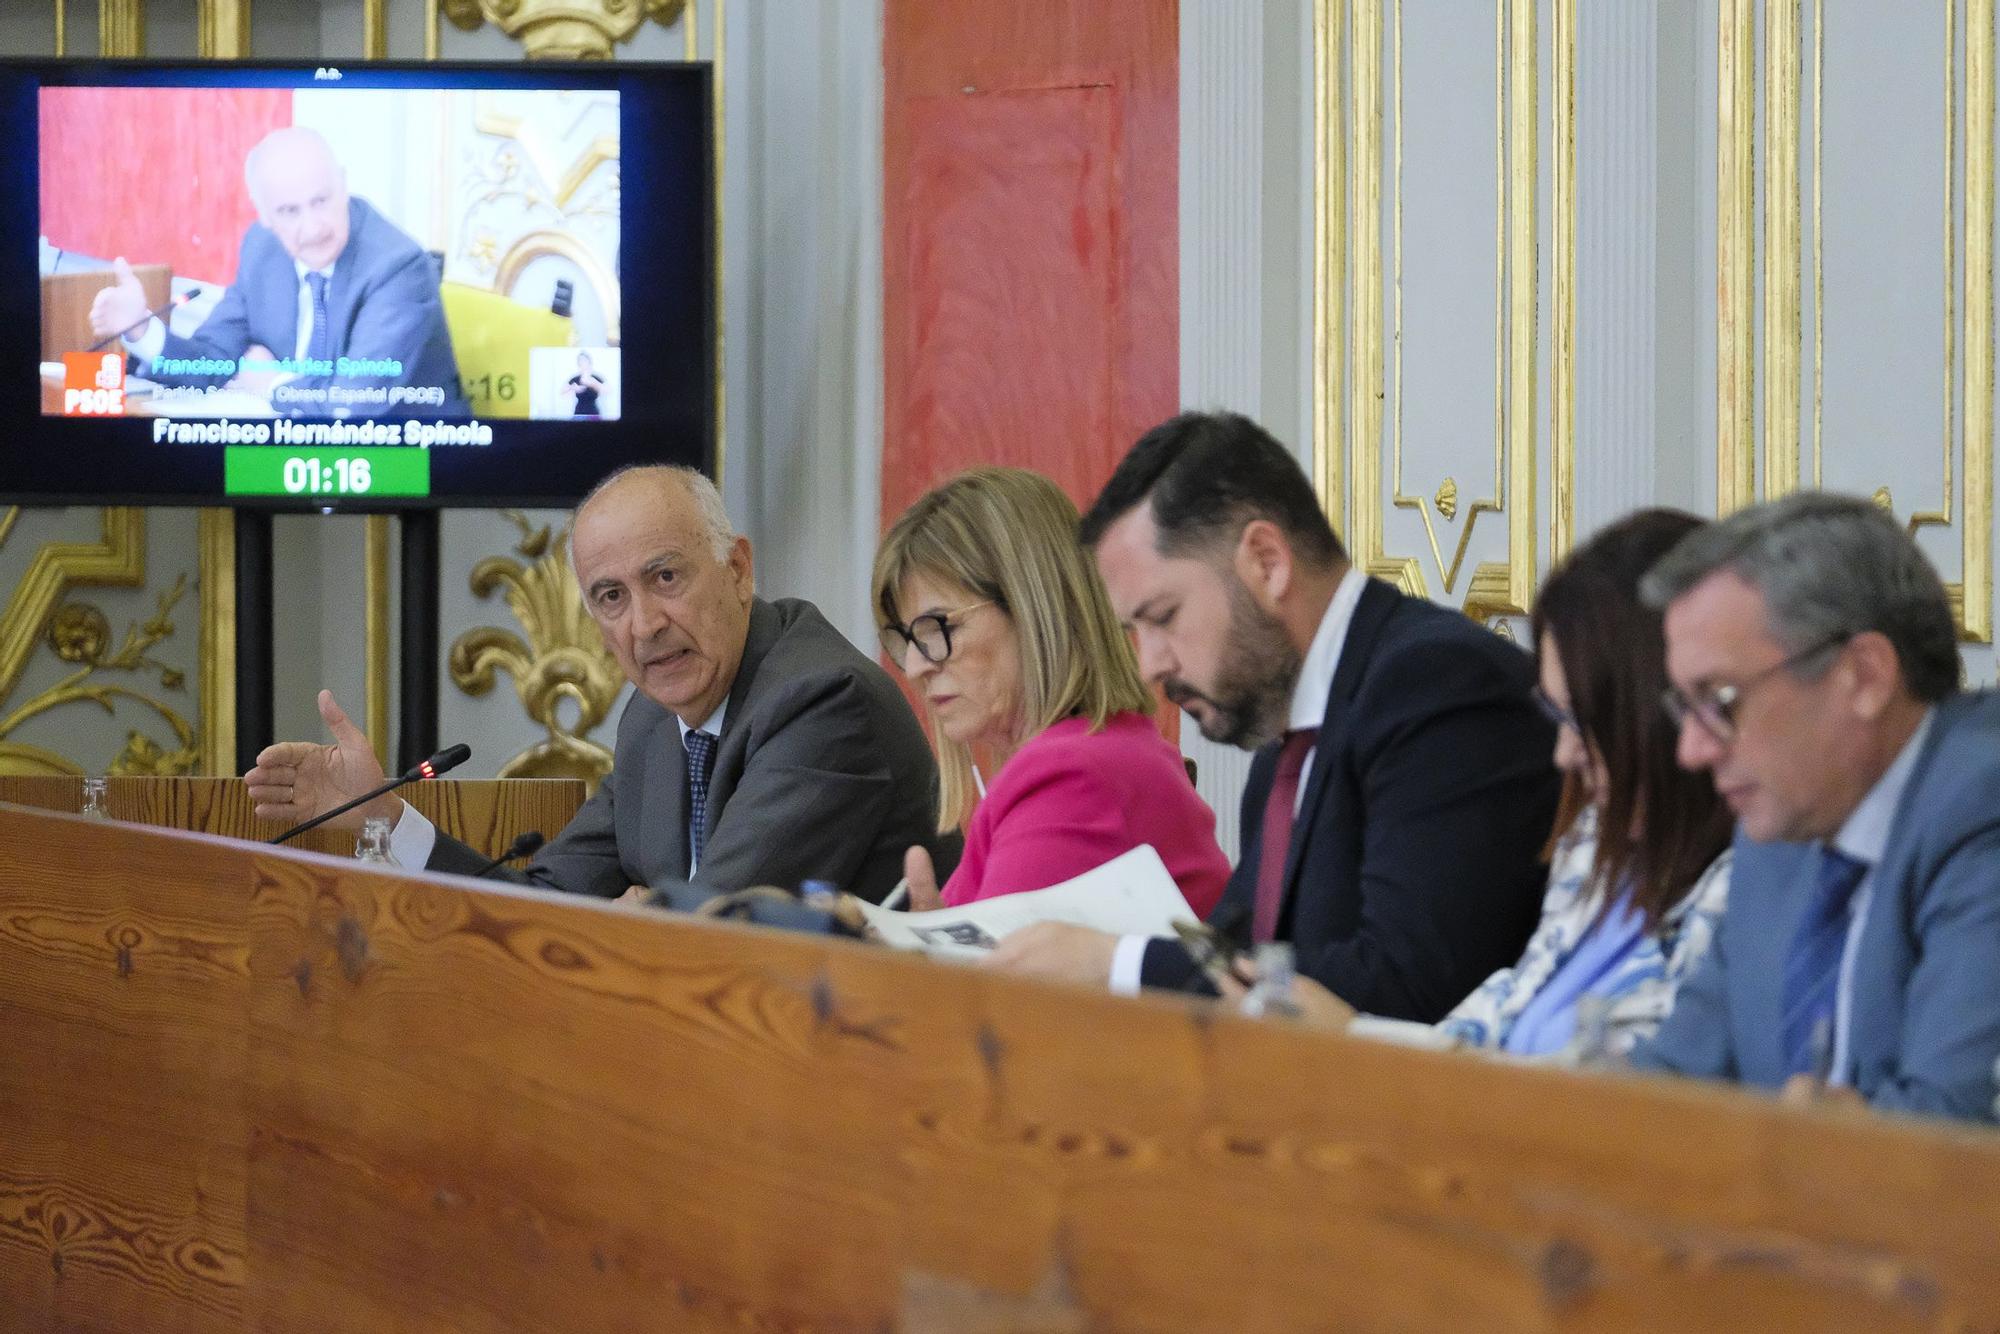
(667, 244)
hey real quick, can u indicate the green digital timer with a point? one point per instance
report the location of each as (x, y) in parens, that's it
(271, 470)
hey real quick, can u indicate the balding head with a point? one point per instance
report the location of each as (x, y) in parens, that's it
(666, 583)
(695, 484)
(300, 191)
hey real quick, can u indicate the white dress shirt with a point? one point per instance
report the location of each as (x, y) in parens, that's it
(414, 838)
(1308, 709)
(1864, 837)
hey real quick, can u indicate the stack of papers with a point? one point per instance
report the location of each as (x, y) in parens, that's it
(1130, 895)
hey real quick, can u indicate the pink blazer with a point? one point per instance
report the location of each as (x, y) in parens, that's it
(1070, 800)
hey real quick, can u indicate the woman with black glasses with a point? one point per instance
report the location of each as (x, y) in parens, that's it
(1000, 622)
(1639, 871)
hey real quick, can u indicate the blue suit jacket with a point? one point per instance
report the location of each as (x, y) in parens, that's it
(1924, 1029)
(383, 303)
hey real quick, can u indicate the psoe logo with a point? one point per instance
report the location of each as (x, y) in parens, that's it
(93, 384)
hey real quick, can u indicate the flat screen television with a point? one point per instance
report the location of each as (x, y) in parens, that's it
(367, 286)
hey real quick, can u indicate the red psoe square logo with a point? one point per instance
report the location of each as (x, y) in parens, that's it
(93, 384)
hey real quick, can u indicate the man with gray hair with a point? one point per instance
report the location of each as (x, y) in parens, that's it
(1815, 672)
(761, 748)
(331, 306)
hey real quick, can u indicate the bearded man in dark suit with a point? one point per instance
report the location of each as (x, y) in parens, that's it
(1402, 791)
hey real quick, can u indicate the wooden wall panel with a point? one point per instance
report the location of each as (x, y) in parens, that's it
(122, 1135)
(381, 1101)
(487, 815)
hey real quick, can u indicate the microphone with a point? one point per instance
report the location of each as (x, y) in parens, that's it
(527, 845)
(173, 303)
(449, 758)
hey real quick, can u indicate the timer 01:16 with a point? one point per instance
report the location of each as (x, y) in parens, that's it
(347, 477)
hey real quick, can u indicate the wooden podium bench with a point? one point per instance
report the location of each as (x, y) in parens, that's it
(251, 1088)
(488, 815)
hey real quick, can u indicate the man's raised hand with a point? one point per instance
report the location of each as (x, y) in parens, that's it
(295, 780)
(121, 307)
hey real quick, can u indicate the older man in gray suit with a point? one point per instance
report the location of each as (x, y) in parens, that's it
(1815, 673)
(331, 307)
(760, 748)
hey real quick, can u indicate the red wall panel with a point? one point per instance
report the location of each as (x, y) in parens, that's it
(153, 174)
(1031, 249)
(1013, 283)
(1031, 246)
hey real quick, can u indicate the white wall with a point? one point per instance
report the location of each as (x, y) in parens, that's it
(801, 308)
(1246, 264)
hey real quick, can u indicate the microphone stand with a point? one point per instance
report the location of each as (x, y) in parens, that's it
(526, 845)
(173, 303)
(430, 768)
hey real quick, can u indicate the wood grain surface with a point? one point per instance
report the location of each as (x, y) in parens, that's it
(488, 815)
(450, 1107)
(122, 1071)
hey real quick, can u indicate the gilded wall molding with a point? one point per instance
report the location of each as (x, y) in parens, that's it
(117, 560)
(1781, 238)
(41, 613)
(564, 29)
(79, 633)
(121, 27)
(564, 657)
(1329, 365)
(1976, 585)
(377, 661)
(216, 664)
(1562, 367)
(1735, 254)
(1350, 338)
(1966, 338)
(222, 28)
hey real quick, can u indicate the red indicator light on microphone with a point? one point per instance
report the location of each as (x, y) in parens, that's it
(426, 769)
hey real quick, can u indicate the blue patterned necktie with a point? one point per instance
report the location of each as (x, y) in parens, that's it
(700, 747)
(319, 345)
(1812, 969)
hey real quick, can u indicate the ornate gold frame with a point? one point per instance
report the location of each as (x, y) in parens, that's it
(1349, 335)
(117, 560)
(1968, 322)
(534, 245)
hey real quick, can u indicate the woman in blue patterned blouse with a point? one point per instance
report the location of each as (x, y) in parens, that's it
(1639, 864)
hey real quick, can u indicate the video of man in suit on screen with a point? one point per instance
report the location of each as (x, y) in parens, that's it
(399, 254)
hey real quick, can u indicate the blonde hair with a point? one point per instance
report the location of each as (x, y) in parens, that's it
(1009, 535)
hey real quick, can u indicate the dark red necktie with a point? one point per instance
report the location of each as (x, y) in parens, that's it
(1275, 846)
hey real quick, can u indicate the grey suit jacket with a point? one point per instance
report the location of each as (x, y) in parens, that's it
(1924, 1027)
(383, 303)
(822, 773)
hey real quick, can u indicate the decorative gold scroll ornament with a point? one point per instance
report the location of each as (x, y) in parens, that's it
(564, 657)
(80, 633)
(565, 29)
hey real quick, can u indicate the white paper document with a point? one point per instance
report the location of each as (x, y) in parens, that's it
(1130, 895)
(1402, 1032)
